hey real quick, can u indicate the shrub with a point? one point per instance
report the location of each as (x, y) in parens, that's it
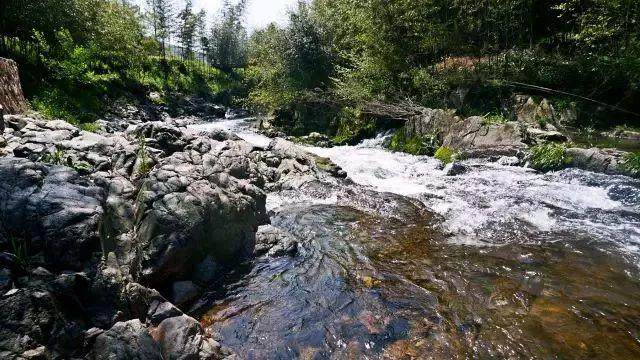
(416, 145)
(631, 164)
(445, 154)
(549, 157)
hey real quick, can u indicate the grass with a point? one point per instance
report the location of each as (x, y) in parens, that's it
(549, 157)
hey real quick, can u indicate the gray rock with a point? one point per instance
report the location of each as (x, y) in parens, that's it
(538, 136)
(509, 161)
(161, 310)
(52, 207)
(194, 205)
(184, 292)
(126, 340)
(472, 135)
(182, 337)
(607, 161)
(454, 169)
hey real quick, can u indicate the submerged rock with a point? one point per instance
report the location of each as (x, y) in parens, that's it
(454, 169)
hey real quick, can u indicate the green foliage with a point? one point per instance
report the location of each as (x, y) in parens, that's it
(57, 157)
(228, 41)
(90, 127)
(631, 164)
(352, 128)
(416, 145)
(468, 55)
(494, 118)
(60, 158)
(445, 154)
(93, 52)
(289, 65)
(549, 157)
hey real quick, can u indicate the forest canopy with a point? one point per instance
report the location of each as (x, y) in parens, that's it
(471, 55)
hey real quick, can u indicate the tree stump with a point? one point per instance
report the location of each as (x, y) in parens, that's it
(11, 96)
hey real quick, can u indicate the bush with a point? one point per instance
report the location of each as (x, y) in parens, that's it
(416, 145)
(445, 154)
(631, 164)
(549, 157)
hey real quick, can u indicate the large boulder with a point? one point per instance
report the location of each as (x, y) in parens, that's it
(474, 135)
(194, 204)
(126, 340)
(49, 209)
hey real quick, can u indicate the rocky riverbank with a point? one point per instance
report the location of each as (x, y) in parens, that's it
(108, 237)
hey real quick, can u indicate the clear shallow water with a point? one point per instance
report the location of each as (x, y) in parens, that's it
(500, 262)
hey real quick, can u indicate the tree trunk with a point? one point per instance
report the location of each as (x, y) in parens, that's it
(11, 97)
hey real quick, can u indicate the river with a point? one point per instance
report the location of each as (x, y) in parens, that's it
(405, 262)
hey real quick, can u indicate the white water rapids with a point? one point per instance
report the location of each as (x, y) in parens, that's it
(491, 203)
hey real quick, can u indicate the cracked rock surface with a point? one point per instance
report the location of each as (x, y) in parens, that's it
(96, 228)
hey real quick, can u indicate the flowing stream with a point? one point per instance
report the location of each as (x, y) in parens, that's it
(405, 262)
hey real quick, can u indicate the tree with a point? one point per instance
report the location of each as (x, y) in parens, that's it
(161, 14)
(202, 34)
(187, 29)
(228, 44)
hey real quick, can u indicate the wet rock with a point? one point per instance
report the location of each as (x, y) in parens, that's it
(184, 292)
(5, 280)
(472, 135)
(126, 340)
(274, 242)
(29, 314)
(454, 169)
(509, 161)
(167, 138)
(236, 114)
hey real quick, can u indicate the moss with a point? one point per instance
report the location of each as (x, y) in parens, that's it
(416, 145)
(631, 164)
(445, 154)
(549, 157)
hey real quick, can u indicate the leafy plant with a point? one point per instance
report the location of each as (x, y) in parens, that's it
(445, 154)
(631, 164)
(416, 145)
(20, 249)
(549, 157)
(57, 157)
